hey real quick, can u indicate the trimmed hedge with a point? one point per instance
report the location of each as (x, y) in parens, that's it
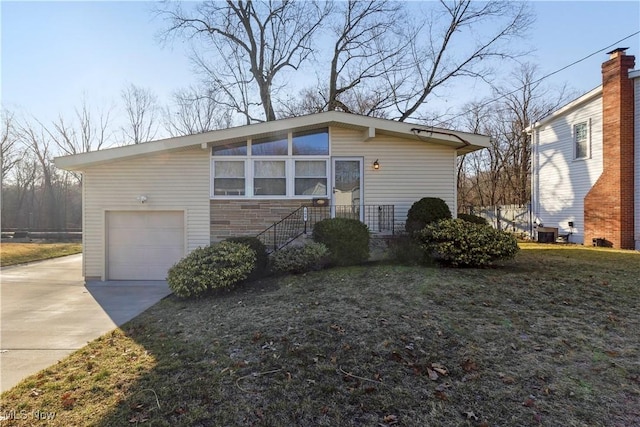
(426, 211)
(300, 259)
(262, 258)
(347, 240)
(475, 219)
(459, 243)
(217, 266)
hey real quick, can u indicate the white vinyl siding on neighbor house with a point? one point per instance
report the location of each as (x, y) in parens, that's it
(171, 181)
(563, 176)
(409, 169)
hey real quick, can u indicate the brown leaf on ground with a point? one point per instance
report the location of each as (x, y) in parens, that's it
(433, 376)
(339, 329)
(469, 365)
(440, 369)
(390, 419)
(470, 415)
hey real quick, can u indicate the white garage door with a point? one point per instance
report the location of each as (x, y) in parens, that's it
(143, 245)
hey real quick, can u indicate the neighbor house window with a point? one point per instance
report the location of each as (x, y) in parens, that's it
(269, 178)
(228, 178)
(272, 146)
(311, 143)
(581, 136)
(311, 178)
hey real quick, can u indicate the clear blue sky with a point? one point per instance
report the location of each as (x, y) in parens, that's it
(53, 52)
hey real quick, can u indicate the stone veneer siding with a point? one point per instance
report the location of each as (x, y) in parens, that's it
(248, 217)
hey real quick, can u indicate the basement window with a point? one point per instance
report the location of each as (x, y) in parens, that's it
(581, 139)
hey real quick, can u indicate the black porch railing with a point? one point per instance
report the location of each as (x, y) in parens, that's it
(379, 219)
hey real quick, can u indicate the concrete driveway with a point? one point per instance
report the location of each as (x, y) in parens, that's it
(47, 312)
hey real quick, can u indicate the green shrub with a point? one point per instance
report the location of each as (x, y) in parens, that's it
(262, 258)
(300, 259)
(460, 243)
(475, 219)
(347, 240)
(425, 211)
(404, 250)
(217, 266)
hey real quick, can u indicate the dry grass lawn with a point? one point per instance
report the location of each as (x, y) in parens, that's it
(549, 339)
(20, 253)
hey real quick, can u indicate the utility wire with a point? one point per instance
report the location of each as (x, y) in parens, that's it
(491, 101)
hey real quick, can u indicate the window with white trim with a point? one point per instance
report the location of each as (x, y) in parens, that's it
(295, 164)
(229, 178)
(269, 178)
(581, 140)
(310, 178)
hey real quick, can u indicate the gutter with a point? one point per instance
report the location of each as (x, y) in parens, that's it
(418, 130)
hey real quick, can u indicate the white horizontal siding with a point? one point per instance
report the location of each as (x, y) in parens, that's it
(562, 182)
(171, 181)
(409, 170)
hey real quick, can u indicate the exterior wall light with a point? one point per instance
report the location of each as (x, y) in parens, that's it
(141, 199)
(376, 165)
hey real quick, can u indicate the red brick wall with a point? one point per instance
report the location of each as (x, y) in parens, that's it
(248, 217)
(608, 207)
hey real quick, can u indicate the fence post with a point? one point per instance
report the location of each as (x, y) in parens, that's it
(498, 218)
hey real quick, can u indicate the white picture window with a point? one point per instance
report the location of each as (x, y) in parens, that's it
(581, 138)
(269, 178)
(229, 178)
(311, 178)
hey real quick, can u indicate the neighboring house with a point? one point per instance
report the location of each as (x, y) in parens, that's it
(146, 206)
(586, 162)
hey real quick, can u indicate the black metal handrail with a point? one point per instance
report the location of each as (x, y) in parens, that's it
(379, 219)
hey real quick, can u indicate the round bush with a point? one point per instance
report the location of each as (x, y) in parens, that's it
(262, 258)
(299, 259)
(459, 243)
(475, 219)
(217, 266)
(347, 240)
(425, 211)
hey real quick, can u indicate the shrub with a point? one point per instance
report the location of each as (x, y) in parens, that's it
(217, 266)
(300, 259)
(347, 240)
(406, 251)
(262, 258)
(460, 243)
(475, 219)
(425, 211)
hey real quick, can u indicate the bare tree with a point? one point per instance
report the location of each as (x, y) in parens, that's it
(9, 152)
(38, 143)
(196, 111)
(502, 173)
(253, 43)
(141, 107)
(451, 47)
(369, 41)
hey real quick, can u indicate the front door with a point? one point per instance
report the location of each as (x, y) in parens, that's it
(346, 200)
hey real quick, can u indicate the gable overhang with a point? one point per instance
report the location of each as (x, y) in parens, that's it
(370, 127)
(573, 105)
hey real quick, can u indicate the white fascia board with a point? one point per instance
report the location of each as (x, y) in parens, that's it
(463, 141)
(634, 74)
(594, 93)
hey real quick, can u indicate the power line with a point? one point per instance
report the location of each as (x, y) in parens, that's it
(491, 101)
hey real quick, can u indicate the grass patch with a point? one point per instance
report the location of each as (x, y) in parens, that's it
(20, 253)
(551, 338)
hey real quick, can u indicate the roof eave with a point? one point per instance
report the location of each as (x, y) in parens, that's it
(464, 142)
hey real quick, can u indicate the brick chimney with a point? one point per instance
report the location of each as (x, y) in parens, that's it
(608, 207)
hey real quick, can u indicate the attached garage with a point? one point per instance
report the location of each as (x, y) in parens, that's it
(143, 245)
